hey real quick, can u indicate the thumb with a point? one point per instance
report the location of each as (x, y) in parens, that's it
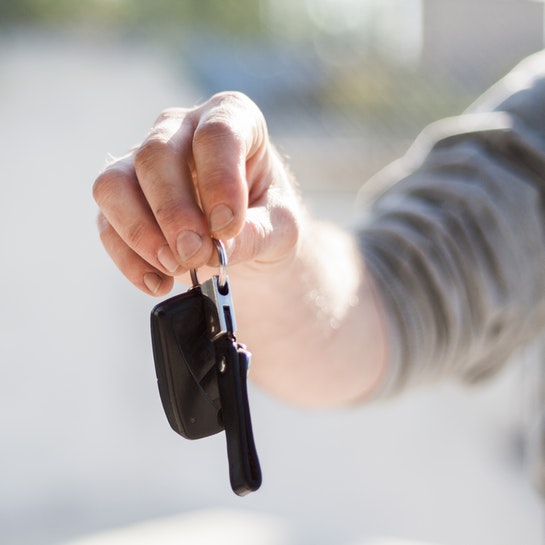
(272, 230)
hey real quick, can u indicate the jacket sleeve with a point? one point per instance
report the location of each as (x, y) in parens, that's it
(456, 242)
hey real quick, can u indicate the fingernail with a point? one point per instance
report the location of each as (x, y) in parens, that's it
(167, 259)
(220, 217)
(152, 282)
(188, 244)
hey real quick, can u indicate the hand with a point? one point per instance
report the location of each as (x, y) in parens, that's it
(204, 172)
(211, 171)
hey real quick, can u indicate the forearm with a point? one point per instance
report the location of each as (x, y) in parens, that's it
(313, 323)
(457, 248)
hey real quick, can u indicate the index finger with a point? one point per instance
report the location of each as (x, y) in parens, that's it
(230, 132)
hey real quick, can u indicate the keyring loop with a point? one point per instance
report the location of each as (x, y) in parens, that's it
(222, 256)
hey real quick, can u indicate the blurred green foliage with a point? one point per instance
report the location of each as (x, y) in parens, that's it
(355, 83)
(240, 17)
(387, 96)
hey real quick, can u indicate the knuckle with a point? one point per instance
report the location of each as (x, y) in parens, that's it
(221, 117)
(232, 98)
(169, 114)
(105, 185)
(152, 150)
(216, 127)
(99, 187)
(168, 214)
(136, 234)
(240, 105)
(235, 117)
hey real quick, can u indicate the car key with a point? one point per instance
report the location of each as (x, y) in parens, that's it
(185, 365)
(233, 361)
(202, 371)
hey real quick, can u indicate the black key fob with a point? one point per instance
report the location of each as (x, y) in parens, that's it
(185, 365)
(202, 372)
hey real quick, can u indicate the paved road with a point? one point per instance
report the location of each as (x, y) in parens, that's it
(84, 443)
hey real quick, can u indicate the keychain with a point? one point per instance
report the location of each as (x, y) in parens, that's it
(202, 371)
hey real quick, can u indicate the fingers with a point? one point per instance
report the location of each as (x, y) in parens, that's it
(229, 133)
(161, 166)
(271, 231)
(193, 177)
(192, 170)
(136, 269)
(123, 204)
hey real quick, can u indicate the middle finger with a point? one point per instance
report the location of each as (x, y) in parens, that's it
(163, 172)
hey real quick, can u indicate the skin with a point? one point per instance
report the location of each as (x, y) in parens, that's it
(305, 303)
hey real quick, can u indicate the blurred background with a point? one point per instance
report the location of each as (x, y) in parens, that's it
(345, 85)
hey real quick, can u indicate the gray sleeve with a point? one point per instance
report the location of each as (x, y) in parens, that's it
(456, 243)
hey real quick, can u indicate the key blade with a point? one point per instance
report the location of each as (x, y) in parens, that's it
(220, 311)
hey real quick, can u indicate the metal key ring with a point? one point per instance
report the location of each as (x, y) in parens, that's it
(222, 256)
